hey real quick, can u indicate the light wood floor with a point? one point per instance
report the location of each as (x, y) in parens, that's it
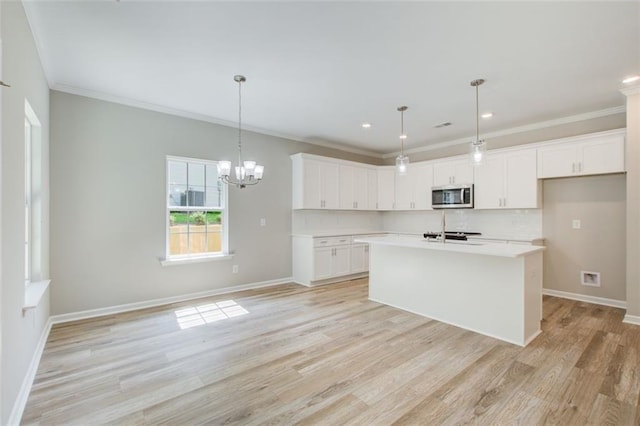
(329, 356)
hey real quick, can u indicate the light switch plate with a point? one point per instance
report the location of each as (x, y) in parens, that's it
(576, 224)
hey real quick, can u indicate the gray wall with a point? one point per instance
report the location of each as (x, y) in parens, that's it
(108, 204)
(21, 68)
(600, 245)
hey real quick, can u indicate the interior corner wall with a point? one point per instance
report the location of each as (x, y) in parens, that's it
(599, 202)
(108, 203)
(21, 68)
(633, 203)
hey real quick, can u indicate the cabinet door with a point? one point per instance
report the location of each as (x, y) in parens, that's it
(489, 183)
(386, 188)
(557, 161)
(341, 264)
(600, 156)
(346, 187)
(329, 185)
(322, 263)
(462, 172)
(422, 176)
(360, 190)
(372, 189)
(443, 173)
(521, 188)
(358, 262)
(366, 257)
(311, 187)
(404, 190)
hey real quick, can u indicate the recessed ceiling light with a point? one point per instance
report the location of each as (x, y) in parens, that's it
(403, 136)
(631, 79)
(366, 125)
(487, 115)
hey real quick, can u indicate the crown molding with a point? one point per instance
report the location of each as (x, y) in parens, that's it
(514, 130)
(73, 90)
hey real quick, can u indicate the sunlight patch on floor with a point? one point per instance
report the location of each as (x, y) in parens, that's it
(194, 316)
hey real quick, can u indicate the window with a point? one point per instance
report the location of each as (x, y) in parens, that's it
(32, 196)
(196, 209)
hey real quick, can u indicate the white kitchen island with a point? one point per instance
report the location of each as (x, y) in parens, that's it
(493, 289)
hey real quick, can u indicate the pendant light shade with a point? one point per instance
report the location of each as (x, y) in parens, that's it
(246, 172)
(402, 161)
(478, 146)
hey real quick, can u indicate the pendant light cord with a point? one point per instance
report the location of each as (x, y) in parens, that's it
(477, 117)
(402, 133)
(240, 123)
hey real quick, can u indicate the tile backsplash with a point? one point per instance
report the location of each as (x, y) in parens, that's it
(311, 221)
(496, 223)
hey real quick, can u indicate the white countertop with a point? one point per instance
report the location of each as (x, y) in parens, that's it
(337, 233)
(470, 247)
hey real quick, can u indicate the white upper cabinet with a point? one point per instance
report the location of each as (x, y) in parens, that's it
(386, 187)
(452, 172)
(315, 183)
(595, 154)
(372, 189)
(413, 190)
(507, 180)
(354, 181)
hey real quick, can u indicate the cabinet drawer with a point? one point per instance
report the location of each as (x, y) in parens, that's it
(332, 241)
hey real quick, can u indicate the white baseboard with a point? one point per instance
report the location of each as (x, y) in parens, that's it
(25, 389)
(631, 319)
(584, 298)
(92, 313)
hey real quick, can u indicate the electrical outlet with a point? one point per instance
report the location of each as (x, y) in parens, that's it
(234, 269)
(263, 222)
(576, 224)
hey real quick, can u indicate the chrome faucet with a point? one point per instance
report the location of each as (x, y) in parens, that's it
(443, 235)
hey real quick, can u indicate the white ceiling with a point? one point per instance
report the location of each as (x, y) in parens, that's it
(317, 70)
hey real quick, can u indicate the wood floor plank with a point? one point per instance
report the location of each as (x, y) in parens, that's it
(328, 355)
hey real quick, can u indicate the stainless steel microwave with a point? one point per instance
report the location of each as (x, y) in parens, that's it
(452, 197)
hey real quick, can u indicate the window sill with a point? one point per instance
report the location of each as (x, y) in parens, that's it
(33, 293)
(199, 259)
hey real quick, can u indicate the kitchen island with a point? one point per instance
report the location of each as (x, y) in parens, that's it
(493, 289)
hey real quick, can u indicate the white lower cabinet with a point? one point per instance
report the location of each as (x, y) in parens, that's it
(359, 257)
(324, 260)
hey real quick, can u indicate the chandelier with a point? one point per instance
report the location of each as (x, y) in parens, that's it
(246, 172)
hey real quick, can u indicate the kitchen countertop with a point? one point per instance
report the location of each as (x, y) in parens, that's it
(469, 247)
(532, 239)
(337, 233)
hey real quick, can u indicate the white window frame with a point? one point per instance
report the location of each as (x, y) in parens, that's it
(34, 284)
(27, 199)
(224, 209)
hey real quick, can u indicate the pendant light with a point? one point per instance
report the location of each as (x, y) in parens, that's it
(402, 161)
(247, 172)
(478, 146)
